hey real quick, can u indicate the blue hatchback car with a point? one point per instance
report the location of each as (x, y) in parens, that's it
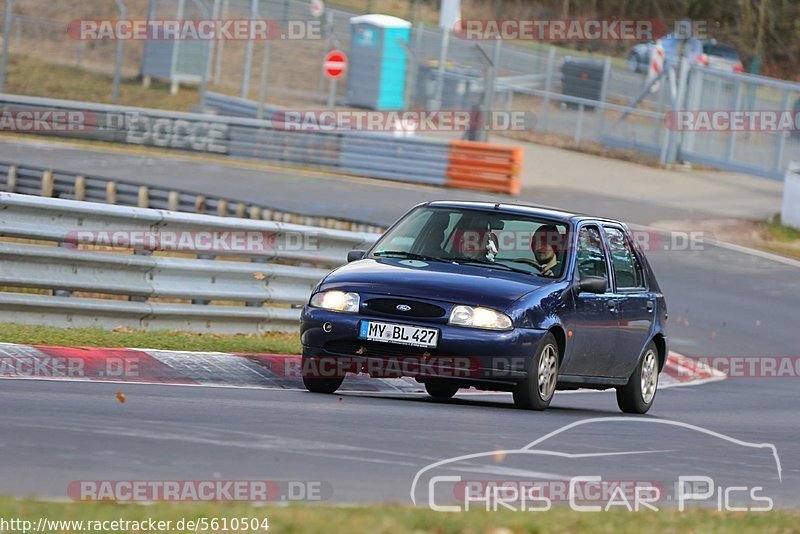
(493, 296)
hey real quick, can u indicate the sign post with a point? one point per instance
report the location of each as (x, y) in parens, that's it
(335, 66)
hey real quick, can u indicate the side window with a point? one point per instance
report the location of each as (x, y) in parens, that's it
(591, 256)
(627, 269)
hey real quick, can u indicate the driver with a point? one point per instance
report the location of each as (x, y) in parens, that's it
(545, 244)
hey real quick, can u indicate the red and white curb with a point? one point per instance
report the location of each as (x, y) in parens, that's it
(262, 371)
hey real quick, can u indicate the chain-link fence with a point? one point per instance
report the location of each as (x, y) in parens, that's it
(575, 97)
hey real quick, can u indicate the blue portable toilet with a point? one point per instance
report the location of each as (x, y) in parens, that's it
(376, 70)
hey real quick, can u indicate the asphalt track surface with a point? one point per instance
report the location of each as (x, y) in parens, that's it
(722, 302)
(312, 193)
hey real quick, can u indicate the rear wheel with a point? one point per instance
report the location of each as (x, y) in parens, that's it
(311, 369)
(440, 390)
(638, 394)
(536, 391)
(633, 62)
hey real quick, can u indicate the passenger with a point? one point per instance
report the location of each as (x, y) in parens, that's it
(476, 245)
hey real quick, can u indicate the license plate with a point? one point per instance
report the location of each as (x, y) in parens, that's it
(402, 334)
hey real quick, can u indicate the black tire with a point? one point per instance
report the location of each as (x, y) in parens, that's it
(440, 390)
(528, 395)
(638, 394)
(316, 384)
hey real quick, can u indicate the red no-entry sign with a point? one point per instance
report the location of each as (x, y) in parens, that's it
(335, 64)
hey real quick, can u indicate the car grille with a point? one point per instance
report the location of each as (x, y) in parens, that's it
(373, 348)
(417, 309)
(416, 361)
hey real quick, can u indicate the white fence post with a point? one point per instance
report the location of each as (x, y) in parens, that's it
(790, 211)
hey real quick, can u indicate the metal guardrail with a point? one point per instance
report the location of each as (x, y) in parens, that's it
(370, 154)
(46, 182)
(465, 164)
(217, 290)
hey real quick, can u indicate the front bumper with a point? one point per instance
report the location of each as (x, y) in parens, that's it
(463, 354)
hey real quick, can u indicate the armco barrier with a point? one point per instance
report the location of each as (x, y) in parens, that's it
(370, 154)
(222, 291)
(55, 183)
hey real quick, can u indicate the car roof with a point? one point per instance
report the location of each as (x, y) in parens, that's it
(522, 209)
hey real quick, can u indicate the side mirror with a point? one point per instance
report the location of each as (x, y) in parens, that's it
(592, 284)
(355, 255)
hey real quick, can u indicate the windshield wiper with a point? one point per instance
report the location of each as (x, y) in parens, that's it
(486, 264)
(405, 254)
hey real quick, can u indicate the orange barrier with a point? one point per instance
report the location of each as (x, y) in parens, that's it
(474, 165)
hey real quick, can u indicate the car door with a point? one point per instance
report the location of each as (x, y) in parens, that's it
(595, 325)
(635, 303)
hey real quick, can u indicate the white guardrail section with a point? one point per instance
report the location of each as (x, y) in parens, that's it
(198, 290)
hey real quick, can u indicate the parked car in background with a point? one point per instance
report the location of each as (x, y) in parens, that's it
(721, 56)
(639, 57)
(709, 53)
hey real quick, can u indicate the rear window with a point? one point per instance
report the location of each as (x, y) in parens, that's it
(721, 51)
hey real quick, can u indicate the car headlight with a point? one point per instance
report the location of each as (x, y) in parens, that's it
(479, 318)
(336, 301)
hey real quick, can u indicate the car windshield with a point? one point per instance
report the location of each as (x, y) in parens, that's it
(507, 241)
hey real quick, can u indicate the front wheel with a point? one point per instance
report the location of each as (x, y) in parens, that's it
(440, 390)
(638, 394)
(318, 384)
(536, 391)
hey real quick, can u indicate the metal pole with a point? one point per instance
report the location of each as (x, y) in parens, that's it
(488, 91)
(437, 101)
(262, 86)
(411, 61)
(173, 83)
(118, 58)
(328, 37)
(579, 125)
(496, 51)
(6, 43)
(680, 97)
(248, 55)
(332, 93)
(781, 136)
(212, 44)
(548, 85)
(220, 48)
(205, 75)
(737, 106)
(603, 97)
(418, 35)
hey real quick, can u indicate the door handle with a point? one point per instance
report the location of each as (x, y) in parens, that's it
(650, 306)
(612, 305)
